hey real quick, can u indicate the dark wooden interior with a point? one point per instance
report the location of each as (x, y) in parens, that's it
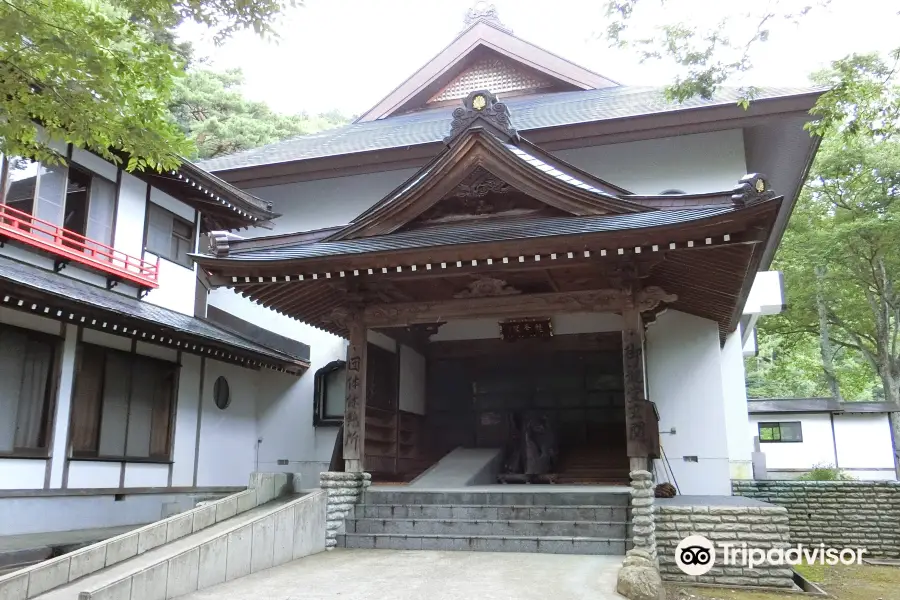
(475, 387)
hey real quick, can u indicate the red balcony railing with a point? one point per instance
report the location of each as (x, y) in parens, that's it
(68, 245)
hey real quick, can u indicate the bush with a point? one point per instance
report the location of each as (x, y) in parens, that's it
(825, 472)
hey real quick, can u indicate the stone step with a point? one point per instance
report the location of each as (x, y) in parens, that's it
(482, 512)
(568, 498)
(592, 529)
(485, 543)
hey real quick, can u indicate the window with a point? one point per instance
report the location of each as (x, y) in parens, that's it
(221, 393)
(382, 378)
(26, 370)
(789, 431)
(330, 393)
(122, 405)
(71, 197)
(169, 236)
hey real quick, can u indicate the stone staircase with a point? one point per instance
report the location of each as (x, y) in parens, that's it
(558, 522)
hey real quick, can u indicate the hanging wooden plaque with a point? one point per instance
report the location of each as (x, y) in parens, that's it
(523, 329)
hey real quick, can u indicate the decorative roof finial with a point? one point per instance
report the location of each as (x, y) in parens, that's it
(481, 107)
(483, 11)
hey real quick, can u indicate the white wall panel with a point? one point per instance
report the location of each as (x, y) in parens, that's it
(412, 381)
(129, 236)
(703, 162)
(177, 287)
(146, 475)
(684, 379)
(90, 474)
(185, 446)
(22, 474)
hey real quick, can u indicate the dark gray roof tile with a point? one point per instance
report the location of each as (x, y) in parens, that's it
(481, 232)
(72, 290)
(535, 112)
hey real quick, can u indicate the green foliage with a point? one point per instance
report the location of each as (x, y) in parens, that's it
(825, 472)
(707, 53)
(100, 74)
(211, 111)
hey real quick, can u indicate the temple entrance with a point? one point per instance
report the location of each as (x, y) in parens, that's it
(481, 393)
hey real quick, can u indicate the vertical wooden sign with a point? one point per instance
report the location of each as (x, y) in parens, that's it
(355, 407)
(636, 426)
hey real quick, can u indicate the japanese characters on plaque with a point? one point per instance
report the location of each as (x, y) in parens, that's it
(523, 329)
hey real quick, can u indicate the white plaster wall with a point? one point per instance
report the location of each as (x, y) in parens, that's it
(101, 338)
(703, 162)
(94, 163)
(817, 446)
(310, 205)
(766, 295)
(684, 378)
(227, 452)
(177, 286)
(178, 207)
(285, 409)
(480, 329)
(873, 475)
(146, 475)
(29, 321)
(67, 513)
(93, 474)
(412, 381)
(864, 441)
(734, 392)
(129, 235)
(185, 443)
(22, 474)
(63, 406)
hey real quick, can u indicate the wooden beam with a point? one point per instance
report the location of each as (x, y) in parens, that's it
(410, 313)
(355, 407)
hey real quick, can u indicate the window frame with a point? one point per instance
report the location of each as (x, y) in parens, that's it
(777, 426)
(51, 394)
(133, 357)
(320, 417)
(167, 255)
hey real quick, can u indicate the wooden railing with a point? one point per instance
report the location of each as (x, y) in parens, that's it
(71, 246)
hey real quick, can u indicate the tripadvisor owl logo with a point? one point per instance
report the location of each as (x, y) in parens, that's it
(695, 555)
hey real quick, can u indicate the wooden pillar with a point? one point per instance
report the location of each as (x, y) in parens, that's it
(636, 425)
(355, 408)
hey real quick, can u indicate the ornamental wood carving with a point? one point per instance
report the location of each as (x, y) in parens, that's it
(481, 106)
(487, 287)
(650, 297)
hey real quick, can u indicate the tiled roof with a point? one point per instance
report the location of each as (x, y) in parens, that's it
(495, 230)
(152, 316)
(816, 405)
(534, 112)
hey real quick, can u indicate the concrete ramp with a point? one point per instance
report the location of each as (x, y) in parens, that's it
(266, 525)
(462, 467)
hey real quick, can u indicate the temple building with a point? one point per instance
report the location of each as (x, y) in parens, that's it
(509, 241)
(508, 259)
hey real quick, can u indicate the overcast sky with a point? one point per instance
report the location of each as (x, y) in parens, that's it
(348, 54)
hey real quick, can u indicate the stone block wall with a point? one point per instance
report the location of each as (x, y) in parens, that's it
(759, 526)
(839, 514)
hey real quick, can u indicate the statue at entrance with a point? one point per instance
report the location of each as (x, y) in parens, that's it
(531, 454)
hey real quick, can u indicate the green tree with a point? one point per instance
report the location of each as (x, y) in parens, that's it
(211, 110)
(99, 74)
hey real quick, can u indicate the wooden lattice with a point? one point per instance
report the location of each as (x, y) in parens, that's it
(494, 74)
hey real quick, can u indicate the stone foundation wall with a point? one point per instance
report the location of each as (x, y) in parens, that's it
(839, 514)
(344, 491)
(759, 526)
